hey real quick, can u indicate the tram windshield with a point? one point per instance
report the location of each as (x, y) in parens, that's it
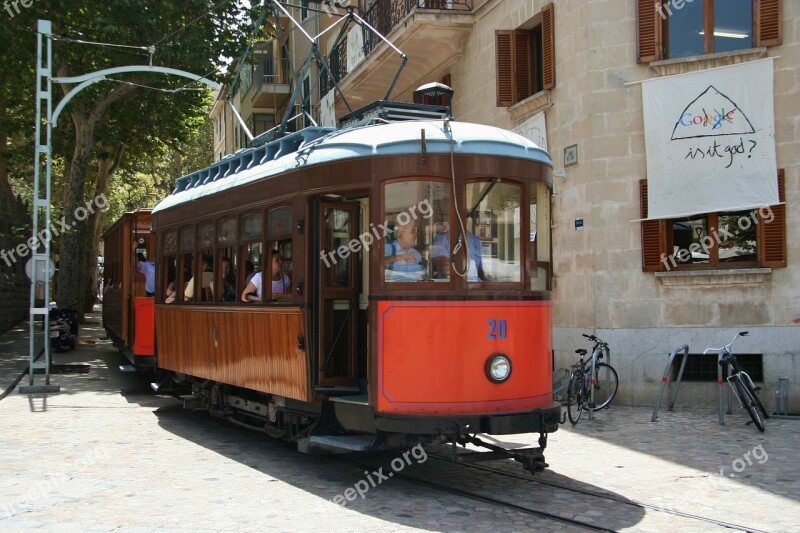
(506, 241)
(416, 214)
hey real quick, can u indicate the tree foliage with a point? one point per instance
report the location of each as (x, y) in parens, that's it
(116, 132)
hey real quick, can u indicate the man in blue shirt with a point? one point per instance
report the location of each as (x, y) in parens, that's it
(148, 268)
(441, 254)
(402, 261)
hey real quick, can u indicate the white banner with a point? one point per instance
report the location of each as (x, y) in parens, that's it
(534, 129)
(710, 141)
(327, 110)
(355, 48)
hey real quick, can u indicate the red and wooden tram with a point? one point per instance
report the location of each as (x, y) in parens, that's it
(128, 313)
(409, 299)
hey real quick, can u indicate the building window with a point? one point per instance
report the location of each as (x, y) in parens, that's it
(753, 238)
(526, 59)
(670, 29)
(704, 368)
(303, 9)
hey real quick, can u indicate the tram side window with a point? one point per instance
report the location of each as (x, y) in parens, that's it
(205, 242)
(186, 268)
(250, 254)
(169, 280)
(228, 266)
(279, 230)
(538, 260)
(417, 218)
(493, 231)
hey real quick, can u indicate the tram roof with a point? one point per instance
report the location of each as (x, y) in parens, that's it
(317, 145)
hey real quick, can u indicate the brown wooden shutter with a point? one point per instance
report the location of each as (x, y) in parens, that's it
(768, 22)
(504, 70)
(548, 47)
(772, 235)
(649, 24)
(654, 233)
(523, 79)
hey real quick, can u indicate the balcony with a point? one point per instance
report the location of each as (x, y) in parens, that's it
(270, 86)
(430, 32)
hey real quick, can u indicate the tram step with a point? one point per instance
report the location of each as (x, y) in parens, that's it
(356, 443)
(127, 368)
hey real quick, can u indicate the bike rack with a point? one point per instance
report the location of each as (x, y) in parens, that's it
(665, 379)
(782, 400)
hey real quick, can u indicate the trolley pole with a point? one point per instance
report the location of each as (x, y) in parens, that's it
(40, 263)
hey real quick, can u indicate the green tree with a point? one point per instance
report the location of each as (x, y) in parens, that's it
(112, 120)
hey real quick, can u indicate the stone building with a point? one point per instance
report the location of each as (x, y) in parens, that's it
(573, 75)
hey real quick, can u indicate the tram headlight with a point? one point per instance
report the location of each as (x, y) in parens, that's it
(498, 367)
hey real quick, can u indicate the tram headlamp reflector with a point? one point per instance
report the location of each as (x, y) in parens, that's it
(498, 368)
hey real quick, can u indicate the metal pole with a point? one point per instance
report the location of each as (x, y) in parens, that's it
(665, 379)
(40, 253)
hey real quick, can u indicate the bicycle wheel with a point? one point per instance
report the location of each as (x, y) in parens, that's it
(748, 401)
(575, 397)
(749, 385)
(605, 387)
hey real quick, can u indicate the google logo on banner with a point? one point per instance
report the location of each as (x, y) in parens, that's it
(716, 120)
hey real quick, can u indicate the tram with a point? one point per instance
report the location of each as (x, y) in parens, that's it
(128, 312)
(409, 261)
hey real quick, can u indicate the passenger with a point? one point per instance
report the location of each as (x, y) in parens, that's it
(228, 281)
(148, 268)
(170, 291)
(205, 280)
(402, 261)
(440, 252)
(249, 271)
(281, 284)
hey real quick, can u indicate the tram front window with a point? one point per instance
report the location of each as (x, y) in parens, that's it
(493, 232)
(415, 213)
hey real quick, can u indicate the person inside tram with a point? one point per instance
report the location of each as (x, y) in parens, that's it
(148, 268)
(170, 291)
(205, 280)
(228, 281)
(440, 251)
(401, 259)
(281, 284)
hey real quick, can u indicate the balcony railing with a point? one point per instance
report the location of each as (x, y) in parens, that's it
(384, 16)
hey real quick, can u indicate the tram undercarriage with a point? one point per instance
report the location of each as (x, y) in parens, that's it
(336, 426)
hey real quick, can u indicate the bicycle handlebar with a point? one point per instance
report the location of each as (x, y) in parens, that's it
(727, 347)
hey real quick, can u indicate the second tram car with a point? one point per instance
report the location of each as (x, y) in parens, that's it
(365, 288)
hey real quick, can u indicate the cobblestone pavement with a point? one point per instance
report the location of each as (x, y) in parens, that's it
(105, 454)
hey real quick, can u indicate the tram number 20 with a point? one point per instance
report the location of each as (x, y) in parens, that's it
(497, 329)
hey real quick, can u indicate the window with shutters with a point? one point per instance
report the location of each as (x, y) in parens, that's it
(752, 238)
(526, 59)
(671, 29)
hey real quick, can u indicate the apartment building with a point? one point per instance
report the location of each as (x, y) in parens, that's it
(669, 123)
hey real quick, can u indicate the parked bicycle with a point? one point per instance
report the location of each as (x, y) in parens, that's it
(741, 384)
(592, 384)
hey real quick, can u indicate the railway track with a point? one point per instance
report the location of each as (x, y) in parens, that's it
(581, 498)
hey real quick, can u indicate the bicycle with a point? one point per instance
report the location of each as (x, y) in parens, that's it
(744, 389)
(591, 391)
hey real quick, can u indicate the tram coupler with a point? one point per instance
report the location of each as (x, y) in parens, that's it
(532, 459)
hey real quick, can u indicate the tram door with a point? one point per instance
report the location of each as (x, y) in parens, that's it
(337, 300)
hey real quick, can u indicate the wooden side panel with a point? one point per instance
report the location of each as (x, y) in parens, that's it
(654, 236)
(252, 348)
(772, 238)
(768, 22)
(648, 30)
(548, 47)
(505, 91)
